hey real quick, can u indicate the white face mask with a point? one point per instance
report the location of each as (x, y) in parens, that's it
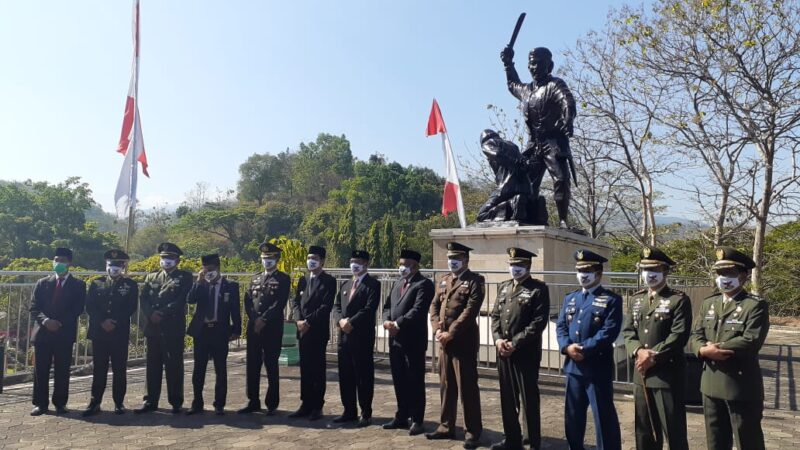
(455, 264)
(727, 284)
(517, 272)
(312, 264)
(167, 263)
(113, 271)
(356, 268)
(404, 271)
(651, 278)
(268, 263)
(586, 278)
(211, 276)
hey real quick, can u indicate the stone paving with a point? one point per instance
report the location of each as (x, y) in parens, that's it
(162, 429)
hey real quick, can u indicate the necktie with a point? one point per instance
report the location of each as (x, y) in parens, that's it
(57, 294)
(405, 287)
(355, 286)
(212, 300)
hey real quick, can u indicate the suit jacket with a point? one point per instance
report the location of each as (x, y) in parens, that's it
(740, 325)
(66, 310)
(266, 297)
(594, 323)
(229, 315)
(520, 315)
(663, 326)
(455, 309)
(313, 303)
(360, 309)
(410, 310)
(111, 299)
(165, 292)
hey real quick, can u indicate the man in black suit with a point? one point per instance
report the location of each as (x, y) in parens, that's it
(216, 321)
(264, 302)
(312, 311)
(110, 303)
(354, 309)
(56, 304)
(405, 317)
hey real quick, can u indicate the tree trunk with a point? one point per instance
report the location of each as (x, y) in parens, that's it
(762, 217)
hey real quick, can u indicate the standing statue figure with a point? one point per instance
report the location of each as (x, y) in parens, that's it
(516, 198)
(549, 109)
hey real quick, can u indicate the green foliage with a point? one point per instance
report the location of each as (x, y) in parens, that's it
(389, 258)
(320, 166)
(372, 243)
(265, 176)
(782, 272)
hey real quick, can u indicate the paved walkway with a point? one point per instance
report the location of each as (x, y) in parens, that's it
(162, 429)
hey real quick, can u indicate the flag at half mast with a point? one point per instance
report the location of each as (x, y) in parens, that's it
(451, 199)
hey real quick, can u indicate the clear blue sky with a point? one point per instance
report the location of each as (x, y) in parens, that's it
(221, 80)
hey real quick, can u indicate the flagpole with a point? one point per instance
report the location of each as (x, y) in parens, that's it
(134, 131)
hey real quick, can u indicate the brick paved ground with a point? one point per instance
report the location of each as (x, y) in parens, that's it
(162, 429)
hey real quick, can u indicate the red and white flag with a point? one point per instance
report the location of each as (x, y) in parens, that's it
(131, 143)
(451, 200)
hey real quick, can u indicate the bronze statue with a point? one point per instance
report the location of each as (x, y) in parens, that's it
(549, 110)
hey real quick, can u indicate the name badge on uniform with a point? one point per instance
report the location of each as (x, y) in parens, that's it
(601, 302)
(733, 322)
(123, 290)
(710, 314)
(525, 294)
(662, 309)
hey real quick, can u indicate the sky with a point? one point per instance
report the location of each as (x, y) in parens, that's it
(222, 80)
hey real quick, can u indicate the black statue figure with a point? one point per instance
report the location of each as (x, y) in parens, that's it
(516, 197)
(549, 109)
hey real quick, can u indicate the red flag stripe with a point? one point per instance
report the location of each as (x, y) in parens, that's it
(435, 121)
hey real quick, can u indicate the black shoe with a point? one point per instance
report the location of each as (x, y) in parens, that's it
(191, 411)
(61, 410)
(301, 412)
(92, 409)
(345, 418)
(416, 428)
(249, 409)
(38, 411)
(395, 424)
(471, 443)
(176, 409)
(439, 435)
(147, 407)
(526, 441)
(499, 446)
(269, 412)
(219, 411)
(364, 422)
(119, 409)
(315, 415)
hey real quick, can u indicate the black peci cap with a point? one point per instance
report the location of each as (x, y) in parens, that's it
(65, 252)
(210, 260)
(317, 250)
(360, 254)
(410, 254)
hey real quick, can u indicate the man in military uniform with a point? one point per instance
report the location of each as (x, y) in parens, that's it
(111, 301)
(216, 321)
(265, 302)
(520, 315)
(453, 313)
(312, 313)
(57, 303)
(588, 324)
(727, 336)
(404, 318)
(354, 312)
(549, 109)
(163, 303)
(656, 331)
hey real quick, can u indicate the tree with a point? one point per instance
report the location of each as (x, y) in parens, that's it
(781, 276)
(388, 244)
(321, 166)
(345, 241)
(265, 176)
(372, 244)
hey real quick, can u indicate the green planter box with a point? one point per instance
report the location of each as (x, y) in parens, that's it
(290, 353)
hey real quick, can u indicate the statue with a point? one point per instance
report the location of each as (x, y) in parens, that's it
(516, 197)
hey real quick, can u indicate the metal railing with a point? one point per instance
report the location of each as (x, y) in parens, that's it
(16, 288)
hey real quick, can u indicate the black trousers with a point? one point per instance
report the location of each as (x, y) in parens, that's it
(356, 374)
(519, 391)
(164, 353)
(57, 355)
(210, 344)
(408, 377)
(312, 372)
(264, 349)
(729, 421)
(113, 348)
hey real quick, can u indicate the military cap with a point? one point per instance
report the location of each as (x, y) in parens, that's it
(730, 258)
(65, 252)
(519, 255)
(210, 260)
(587, 258)
(317, 250)
(268, 250)
(651, 257)
(360, 254)
(116, 255)
(169, 249)
(456, 249)
(410, 254)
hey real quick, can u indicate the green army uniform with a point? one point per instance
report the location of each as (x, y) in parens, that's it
(733, 389)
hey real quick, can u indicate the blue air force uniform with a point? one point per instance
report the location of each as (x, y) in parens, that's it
(591, 318)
